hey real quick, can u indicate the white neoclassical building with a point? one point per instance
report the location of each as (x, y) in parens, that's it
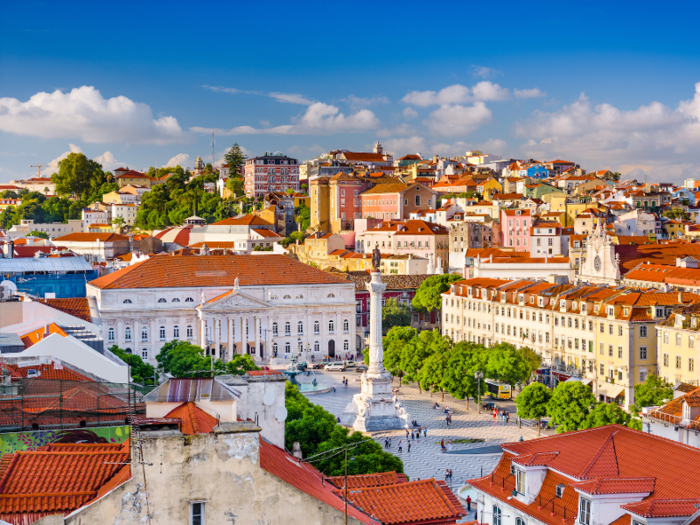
(231, 304)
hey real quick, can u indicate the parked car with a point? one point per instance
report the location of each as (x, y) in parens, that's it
(350, 363)
(318, 366)
(335, 367)
(361, 368)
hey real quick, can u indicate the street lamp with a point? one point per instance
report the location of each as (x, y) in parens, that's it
(478, 375)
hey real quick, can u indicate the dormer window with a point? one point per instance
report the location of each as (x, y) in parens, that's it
(562, 303)
(503, 296)
(532, 299)
(611, 310)
(573, 305)
(659, 312)
(540, 301)
(627, 311)
(597, 308)
(560, 490)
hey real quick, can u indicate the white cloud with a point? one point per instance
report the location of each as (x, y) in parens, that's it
(318, 119)
(450, 150)
(360, 102)
(181, 159)
(405, 146)
(495, 146)
(489, 91)
(529, 93)
(108, 161)
(458, 94)
(484, 72)
(225, 89)
(85, 114)
(53, 165)
(410, 113)
(455, 119)
(401, 129)
(291, 98)
(664, 141)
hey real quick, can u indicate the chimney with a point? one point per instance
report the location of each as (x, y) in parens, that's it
(46, 332)
(11, 253)
(680, 297)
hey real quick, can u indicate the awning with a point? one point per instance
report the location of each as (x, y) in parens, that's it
(610, 390)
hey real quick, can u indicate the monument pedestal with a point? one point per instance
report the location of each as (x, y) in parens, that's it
(376, 408)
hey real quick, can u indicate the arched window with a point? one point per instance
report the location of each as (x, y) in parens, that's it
(127, 333)
(287, 329)
(176, 300)
(346, 345)
(274, 329)
(287, 348)
(301, 347)
(317, 346)
(176, 332)
(144, 334)
(300, 296)
(274, 348)
(274, 297)
(189, 300)
(300, 328)
(317, 328)
(190, 332)
(162, 300)
(144, 353)
(331, 296)
(287, 297)
(110, 335)
(162, 333)
(127, 350)
(331, 326)
(127, 301)
(346, 326)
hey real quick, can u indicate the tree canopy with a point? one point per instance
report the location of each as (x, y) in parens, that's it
(508, 364)
(532, 402)
(78, 176)
(235, 158)
(141, 372)
(429, 294)
(570, 405)
(653, 392)
(464, 360)
(395, 313)
(183, 359)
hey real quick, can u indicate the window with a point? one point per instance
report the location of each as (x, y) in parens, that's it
(197, 513)
(176, 332)
(176, 300)
(496, 515)
(144, 354)
(346, 326)
(162, 333)
(331, 296)
(665, 359)
(317, 346)
(642, 352)
(317, 328)
(300, 328)
(665, 338)
(189, 332)
(678, 362)
(127, 334)
(189, 300)
(287, 329)
(520, 521)
(162, 300)
(331, 326)
(642, 331)
(346, 345)
(127, 301)
(584, 513)
(691, 364)
(144, 334)
(110, 335)
(520, 481)
(274, 330)
(691, 341)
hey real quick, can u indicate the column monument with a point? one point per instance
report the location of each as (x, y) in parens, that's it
(376, 407)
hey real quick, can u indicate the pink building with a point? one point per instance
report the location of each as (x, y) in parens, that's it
(515, 229)
(270, 173)
(416, 237)
(396, 201)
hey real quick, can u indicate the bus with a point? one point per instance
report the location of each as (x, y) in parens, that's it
(498, 390)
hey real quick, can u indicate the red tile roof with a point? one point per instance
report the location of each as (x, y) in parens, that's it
(37, 335)
(194, 419)
(214, 270)
(30, 251)
(305, 478)
(92, 237)
(413, 502)
(75, 306)
(246, 220)
(369, 480)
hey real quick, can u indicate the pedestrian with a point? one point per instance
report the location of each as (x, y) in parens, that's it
(425, 432)
(442, 445)
(450, 475)
(447, 474)
(400, 447)
(447, 420)
(409, 446)
(469, 503)
(333, 387)
(449, 446)
(406, 433)
(338, 419)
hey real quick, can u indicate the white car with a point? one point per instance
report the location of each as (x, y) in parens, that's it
(335, 367)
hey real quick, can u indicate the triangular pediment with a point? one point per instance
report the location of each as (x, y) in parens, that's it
(234, 300)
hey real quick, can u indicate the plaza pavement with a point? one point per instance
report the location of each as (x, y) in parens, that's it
(426, 459)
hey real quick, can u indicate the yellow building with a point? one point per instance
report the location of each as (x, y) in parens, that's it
(319, 191)
(489, 187)
(679, 350)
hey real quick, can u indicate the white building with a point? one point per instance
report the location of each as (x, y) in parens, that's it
(52, 229)
(635, 222)
(231, 304)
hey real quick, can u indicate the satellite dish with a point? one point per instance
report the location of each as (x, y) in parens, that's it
(269, 397)
(281, 414)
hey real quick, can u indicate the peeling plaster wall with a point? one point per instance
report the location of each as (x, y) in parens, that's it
(222, 469)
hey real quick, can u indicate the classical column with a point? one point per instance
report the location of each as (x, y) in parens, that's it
(229, 335)
(244, 335)
(202, 332)
(376, 353)
(217, 336)
(257, 336)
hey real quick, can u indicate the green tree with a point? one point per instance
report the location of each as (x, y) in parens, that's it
(35, 233)
(183, 359)
(235, 158)
(429, 294)
(416, 351)
(606, 414)
(393, 343)
(532, 357)
(141, 372)
(570, 405)
(465, 359)
(77, 175)
(508, 364)
(532, 402)
(303, 217)
(395, 313)
(118, 222)
(240, 364)
(432, 375)
(653, 392)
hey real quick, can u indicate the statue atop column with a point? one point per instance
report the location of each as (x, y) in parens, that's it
(376, 258)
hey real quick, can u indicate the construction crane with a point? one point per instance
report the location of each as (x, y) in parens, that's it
(39, 168)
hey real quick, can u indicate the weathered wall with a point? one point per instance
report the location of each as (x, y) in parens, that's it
(222, 469)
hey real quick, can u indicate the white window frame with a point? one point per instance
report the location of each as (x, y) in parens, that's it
(197, 520)
(584, 511)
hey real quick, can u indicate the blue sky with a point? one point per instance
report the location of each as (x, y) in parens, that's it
(606, 84)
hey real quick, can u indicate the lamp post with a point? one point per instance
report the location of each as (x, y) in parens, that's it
(478, 375)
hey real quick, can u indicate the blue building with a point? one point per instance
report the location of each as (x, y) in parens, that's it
(62, 276)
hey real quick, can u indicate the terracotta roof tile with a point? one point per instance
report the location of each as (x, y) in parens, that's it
(37, 335)
(245, 220)
(92, 237)
(369, 480)
(194, 419)
(214, 270)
